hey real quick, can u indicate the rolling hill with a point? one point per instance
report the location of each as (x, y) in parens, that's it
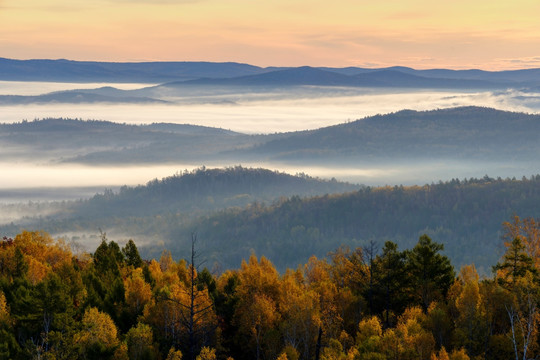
(466, 216)
(465, 134)
(237, 211)
(462, 133)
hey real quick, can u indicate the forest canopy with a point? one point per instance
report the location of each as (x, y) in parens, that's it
(362, 303)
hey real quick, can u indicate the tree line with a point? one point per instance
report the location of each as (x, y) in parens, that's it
(363, 303)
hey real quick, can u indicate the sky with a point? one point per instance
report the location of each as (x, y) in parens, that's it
(458, 34)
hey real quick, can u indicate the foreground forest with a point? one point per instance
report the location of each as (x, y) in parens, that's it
(353, 304)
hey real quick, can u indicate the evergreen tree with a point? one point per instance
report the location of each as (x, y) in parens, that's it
(431, 273)
(393, 285)
(515, 264)
(131, 254)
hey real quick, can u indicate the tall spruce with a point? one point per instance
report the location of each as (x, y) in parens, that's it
(431, 273)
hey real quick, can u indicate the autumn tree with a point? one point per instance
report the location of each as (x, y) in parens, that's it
(207, 354)
(138, 292)
(515, 264)
(319, 279)
(299, 308)
(470, 323)
(355, 279)
(368, 338)
(174, 354)
(140, 343)
(528, 231)
(183, 308)
(8, 345)
(413, 340)
(257, 313)
(98, 337)
(523, 314)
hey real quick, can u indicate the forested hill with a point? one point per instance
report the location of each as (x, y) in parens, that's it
(456, 133)
(466, 216)
(476, 135)
(250, 216)
(204, 190)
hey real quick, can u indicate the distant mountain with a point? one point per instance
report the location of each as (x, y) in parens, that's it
(416, 79)
(75, 97)
(525, 77)
(304, 75)
(93, 71)
(348, 77)
(85, 127)
(229, 74)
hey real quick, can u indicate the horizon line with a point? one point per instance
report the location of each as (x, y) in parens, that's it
(270, 66)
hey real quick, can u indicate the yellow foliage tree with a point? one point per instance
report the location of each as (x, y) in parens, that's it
(459, 355)
(207, 354)
(42, 247)
(164, 314)
(4, 310)
(331, 301)
(257, 312)
(409, 339)
(138, 291)
(470, 313)
(334, 351)
(368, 337)
(41, 255)
(443, 355)
(37, 270)
(174, 354)
(140, 342)
(98, 329)
(121, 352)
(299, 308)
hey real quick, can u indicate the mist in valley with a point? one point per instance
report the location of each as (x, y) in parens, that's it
(50, 173)
(262, 109)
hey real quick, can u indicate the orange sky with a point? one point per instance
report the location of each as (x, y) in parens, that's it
(456, 34)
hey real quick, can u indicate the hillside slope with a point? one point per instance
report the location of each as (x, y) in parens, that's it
(466, 216)
(455, 133)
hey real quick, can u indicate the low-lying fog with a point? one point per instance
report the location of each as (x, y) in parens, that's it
(288, 110)
(282, 111)
(38, 88)
(27, 182)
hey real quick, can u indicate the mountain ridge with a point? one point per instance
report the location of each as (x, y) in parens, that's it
(192, 72)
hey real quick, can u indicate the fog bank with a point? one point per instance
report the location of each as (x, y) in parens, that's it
(280, 113)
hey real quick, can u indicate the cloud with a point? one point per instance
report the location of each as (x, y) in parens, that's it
(523, 62)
